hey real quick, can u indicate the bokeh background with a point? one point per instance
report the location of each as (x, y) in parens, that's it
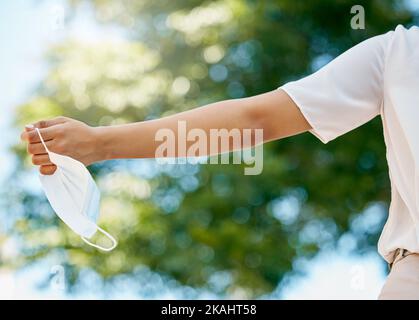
(307, 227)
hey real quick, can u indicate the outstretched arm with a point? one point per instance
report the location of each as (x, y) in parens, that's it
(274, 112)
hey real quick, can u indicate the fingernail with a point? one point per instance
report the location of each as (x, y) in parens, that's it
(29, 126)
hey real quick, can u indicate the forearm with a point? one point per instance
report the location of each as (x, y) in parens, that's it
(273, 112)
(138, 140)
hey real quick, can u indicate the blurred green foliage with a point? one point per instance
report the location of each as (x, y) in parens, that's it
(193, 222)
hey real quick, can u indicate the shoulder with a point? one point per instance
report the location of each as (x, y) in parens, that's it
(403, 46)
(405, 36)
(410, 31)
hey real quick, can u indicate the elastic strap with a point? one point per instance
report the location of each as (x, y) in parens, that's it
(42, 140)
(114, 242)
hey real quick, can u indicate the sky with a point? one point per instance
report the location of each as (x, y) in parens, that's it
(27, 29)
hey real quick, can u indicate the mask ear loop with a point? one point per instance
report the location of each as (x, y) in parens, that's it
(42, 140)
(114, 242)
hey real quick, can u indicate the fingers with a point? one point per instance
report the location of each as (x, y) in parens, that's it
(41, 160)
(47, 169)
(32, 136)
(38, 148)
(46, 128)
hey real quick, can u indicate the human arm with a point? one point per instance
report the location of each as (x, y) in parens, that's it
(274, 112)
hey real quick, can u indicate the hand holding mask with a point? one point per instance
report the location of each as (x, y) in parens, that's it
(74, 196)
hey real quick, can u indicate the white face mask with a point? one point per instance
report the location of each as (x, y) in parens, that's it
(74, 196)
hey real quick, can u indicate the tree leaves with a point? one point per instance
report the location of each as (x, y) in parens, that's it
(197, 223)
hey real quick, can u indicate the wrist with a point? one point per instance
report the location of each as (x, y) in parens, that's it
(103, 143)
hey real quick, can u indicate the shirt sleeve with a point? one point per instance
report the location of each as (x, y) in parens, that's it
(345, 93)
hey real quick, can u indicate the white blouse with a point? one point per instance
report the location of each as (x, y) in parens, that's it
(379, 76)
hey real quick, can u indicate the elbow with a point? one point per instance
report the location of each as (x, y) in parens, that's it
(258, 118)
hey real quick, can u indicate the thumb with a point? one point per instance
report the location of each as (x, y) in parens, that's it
(50, 122)
(28, 128)
(41, 124)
